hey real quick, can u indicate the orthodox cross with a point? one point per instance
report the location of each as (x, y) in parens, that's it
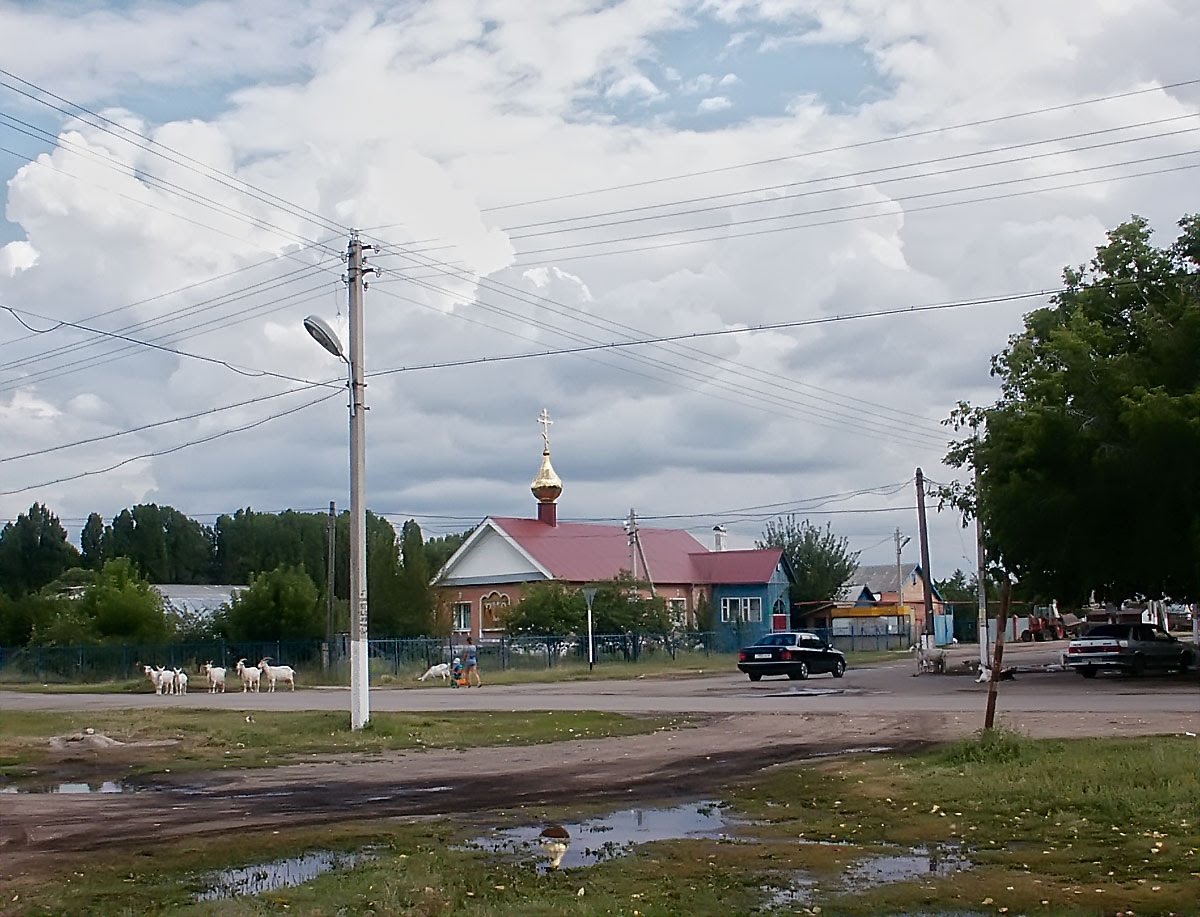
(546, 422)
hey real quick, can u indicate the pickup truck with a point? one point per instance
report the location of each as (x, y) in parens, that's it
(1130, 648)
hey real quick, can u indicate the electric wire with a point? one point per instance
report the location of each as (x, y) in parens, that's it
(1018, 160)
(877, 141)
(153, 146)
(858, 205)
(906, 212)
(91, 440)
(195, 442)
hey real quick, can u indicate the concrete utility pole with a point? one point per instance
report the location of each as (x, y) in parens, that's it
(981, 627)
(330, 572)
(924, 537)
(360, 704)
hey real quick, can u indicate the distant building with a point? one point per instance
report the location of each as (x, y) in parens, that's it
(197, 601)
(489, 573)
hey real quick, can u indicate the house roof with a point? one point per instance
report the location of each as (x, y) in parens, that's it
(755, 566)
(879, 578)
(197, 599)
(580, 552)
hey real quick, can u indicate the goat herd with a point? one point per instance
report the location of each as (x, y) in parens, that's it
(175, 681)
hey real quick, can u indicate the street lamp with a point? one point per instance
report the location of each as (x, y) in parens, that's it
(360, 708)
(589, 596)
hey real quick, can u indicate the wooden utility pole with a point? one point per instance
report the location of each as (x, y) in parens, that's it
(926, 579)
(989, 716)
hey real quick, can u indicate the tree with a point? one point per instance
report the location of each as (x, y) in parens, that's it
(91, 542)
(959, 589)
(33, 551)
(123, 607)
(279, 605)
(621, 605)
(821, 561)
(547, 609)
(1088, 483)
(416, 590)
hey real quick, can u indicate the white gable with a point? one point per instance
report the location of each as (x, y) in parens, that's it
(489, 557)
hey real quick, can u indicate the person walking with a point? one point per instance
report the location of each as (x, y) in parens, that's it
(472, 663)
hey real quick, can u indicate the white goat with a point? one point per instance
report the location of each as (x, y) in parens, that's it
(441, 670)
(216, 676)
(166, 678)
(277, 673)
(181, 681)
(155, 676)
(248, 675)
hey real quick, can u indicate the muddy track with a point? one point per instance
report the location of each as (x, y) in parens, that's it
(685, 763)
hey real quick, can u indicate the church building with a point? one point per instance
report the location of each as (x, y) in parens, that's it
(487, 575)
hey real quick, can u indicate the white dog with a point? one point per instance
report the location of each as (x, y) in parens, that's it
(442, 670)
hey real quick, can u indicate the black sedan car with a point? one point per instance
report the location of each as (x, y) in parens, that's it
(796, 655)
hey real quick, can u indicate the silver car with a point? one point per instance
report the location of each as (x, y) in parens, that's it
(1130, 648)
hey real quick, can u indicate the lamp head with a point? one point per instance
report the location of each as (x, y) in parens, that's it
(324, 335)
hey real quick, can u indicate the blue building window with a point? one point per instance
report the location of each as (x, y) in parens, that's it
(741, 609)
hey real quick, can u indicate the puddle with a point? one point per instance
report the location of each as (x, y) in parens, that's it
(596, 840)
(267, 877)
(806, 692)
(918, 863)
(108, 786)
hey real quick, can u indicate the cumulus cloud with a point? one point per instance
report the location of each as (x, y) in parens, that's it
(486, 164)
(714, 104)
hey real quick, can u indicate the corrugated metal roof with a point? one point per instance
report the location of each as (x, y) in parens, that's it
(581, 552)
(752, 566)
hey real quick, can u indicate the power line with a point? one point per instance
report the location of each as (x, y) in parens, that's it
(161, 452)
(848, 146)
(692, 335)
(891, 201)
(851, 219)
(1018, 160)
(153, 146)
(150, 426)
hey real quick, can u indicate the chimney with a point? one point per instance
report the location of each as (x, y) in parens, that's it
(719, 538)
(548, 513)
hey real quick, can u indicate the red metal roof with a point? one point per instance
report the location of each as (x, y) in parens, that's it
(755, 566)
(582, 552)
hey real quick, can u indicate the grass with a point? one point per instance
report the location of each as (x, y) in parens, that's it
(1068, 828)
(208, 739)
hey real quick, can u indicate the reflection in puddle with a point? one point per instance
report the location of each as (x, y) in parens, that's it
(588, 842)
(801, 888)
(108, 786)
(266, 877)
(918, 863)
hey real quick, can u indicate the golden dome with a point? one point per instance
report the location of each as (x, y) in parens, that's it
(547, 485)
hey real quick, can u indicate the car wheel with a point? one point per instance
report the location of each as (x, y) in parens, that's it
(1137, 668)
(801, 672)
(1088, 672)
(755, 676)
(839, 669)
(1185, 662)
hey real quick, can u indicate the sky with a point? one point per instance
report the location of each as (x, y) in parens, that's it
(181, 179)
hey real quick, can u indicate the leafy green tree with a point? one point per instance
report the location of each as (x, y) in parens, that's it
(91, 542)
(58, 621)
(621, 605)
(124, 607)
(441, 549)
(388, 611)
(547, 609)
(821, 561)
(959, 589)
(279, 605)
(118, 537)
(416, 590)
(33, 551)
(21, 619)
(190, 548)
(1086, 462)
